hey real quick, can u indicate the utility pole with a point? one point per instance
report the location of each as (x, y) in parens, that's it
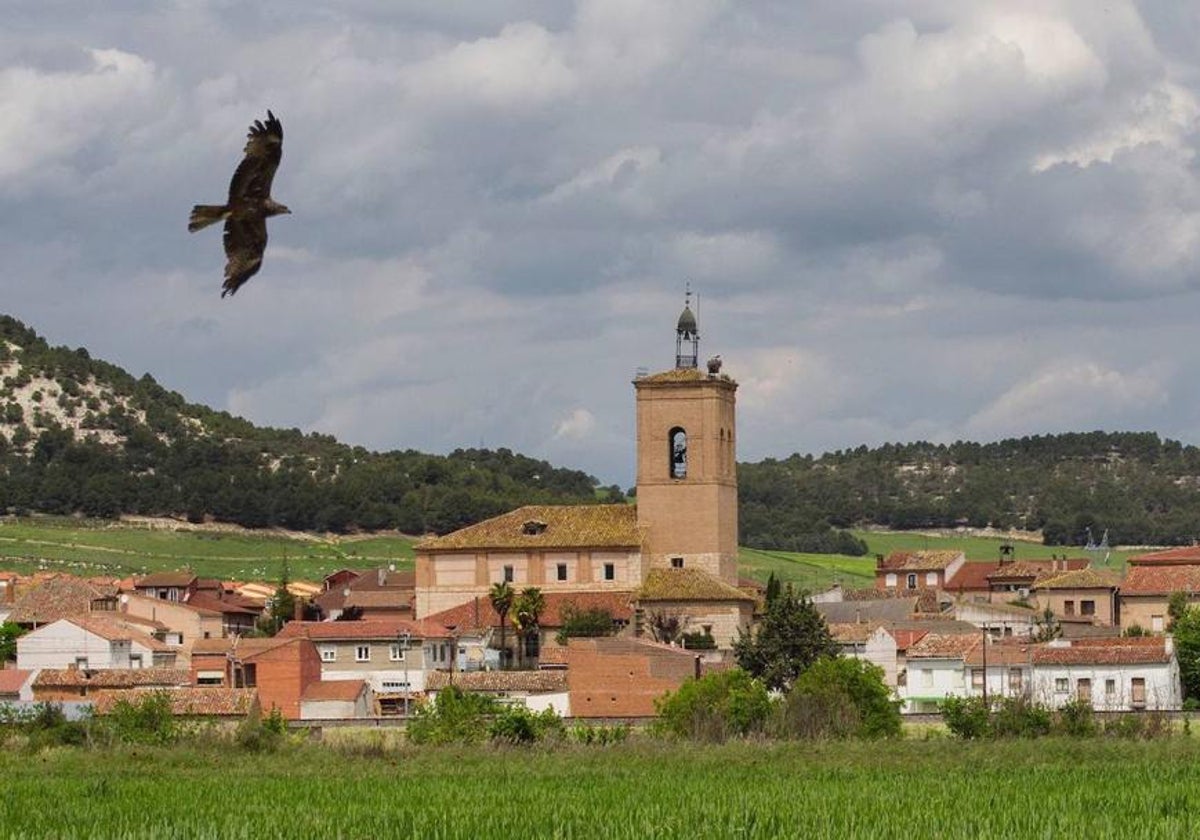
(985, 645)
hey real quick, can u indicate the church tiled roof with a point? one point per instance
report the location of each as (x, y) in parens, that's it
(687, 585)
(546, 526)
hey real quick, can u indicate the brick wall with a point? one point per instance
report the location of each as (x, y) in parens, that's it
(622, 678)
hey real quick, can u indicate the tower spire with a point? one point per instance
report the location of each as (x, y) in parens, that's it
(687, 334)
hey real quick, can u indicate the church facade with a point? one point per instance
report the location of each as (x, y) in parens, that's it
(677, 547)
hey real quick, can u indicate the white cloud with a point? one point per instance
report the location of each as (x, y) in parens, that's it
(577, 425)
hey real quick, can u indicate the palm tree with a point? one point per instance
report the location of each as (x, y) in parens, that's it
(528, 610)
(501, 595)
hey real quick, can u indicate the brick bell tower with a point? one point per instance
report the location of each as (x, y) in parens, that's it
(686, 463)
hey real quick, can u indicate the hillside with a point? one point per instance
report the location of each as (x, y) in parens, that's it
(1141, 489)
(79, 435)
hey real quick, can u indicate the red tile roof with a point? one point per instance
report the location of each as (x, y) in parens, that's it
(368, 628)
(165, 580)
(51, 597)
(11, 680)
(115, 630)
(687, 585)
(190, 701)
(478, 614)
(1081, 579)
(1184, 554)
(1161, 580)
(1120, 651)
(556, 526)
(943, 646)
(111, 677)
(919, 561)
(349, 690)
(530, 681)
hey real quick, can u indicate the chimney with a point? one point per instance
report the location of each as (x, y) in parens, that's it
(878, 561)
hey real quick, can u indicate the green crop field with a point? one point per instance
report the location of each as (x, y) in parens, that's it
(906, 789)
(817, 572)
(84, 547)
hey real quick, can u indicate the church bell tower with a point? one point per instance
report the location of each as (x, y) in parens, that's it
(686, 461)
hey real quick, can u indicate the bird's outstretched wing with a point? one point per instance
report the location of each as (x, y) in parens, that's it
(264, 149)
(245, 241)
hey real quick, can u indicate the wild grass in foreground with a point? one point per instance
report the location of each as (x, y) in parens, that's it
(639, 789)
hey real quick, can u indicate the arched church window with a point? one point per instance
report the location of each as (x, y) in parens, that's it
(677, 438)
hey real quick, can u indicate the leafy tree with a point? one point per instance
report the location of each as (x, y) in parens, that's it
(861, 684)
(1187, 649)
(774, 587)
(589, 623)
(283, 604)
(9, 633)
(454, 717)
(790, 638)
(715, 707)
(501, 595)
(666, 626)
(1046, 626)
(1177, 605)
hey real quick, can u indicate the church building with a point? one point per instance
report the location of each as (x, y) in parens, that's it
(675, 551)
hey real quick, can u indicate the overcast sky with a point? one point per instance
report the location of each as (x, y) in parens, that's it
(939, 219)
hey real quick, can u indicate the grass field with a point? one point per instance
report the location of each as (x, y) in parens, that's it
(905, 789)
(85, 547)
(104, 548)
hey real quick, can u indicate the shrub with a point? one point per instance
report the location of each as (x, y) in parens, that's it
(145, 721)
(1076, 718)
(454, 717)
(850, 694)
(967, 717)
(1019, 717)
(715, 707)
(519, 725)
(827, 712)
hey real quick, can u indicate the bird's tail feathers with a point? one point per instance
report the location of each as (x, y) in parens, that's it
(204, 215)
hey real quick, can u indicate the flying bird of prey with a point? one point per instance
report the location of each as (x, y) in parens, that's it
(250, 203)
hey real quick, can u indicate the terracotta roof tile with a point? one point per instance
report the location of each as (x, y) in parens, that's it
(566, 526)
(53, 597)
(334, 690)
(919, 561)
(531, 681)
(12, 679)
(165, 580)
(478, 614)
(1183, 554)
(674, 375)
(687, 585)
(1082, 579)
(1119, 651)
(192, 701)
(943, 646)
(1161, 580)
(111, 677)
(368, 628)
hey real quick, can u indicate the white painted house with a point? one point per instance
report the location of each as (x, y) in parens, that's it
(1118, 674)
(936, 669)
(90, 643)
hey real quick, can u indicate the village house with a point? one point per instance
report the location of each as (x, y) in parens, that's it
(1151, 579)
(52, 597)
(913, 570)
(394, 656)
(369, 593)
(535, 690)
(281, 669)
(56, 685)
(936, 669)
(1087, 596)
(621, 678)
(337, 700)
(206, 702)
(1112, 674)
(91, 642)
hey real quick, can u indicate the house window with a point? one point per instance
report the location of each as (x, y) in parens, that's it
(135, 660)
(889, 580)
(328, 653)
(362, 653)
(931, 578)
(245, 676)
(508, 574)
(977, 679)
(1083, 690)
(81, 663)
(912, 582)
(1014, 679)
(1087, 607)
(561, 571)
(610, 571)
(1068, 607)
(396, 652)
(1110, 688)
(1061, 685)
(1156, 623)
(1137, 688)
(676, 562)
